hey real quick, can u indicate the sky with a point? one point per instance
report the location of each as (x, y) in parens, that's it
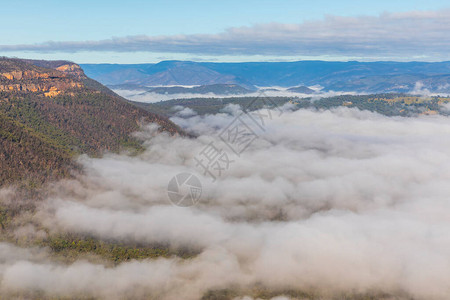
(149, 31)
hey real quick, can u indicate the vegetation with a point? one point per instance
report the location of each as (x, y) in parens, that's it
(40, 134)
(211, 105)
(390, 104)
(386, 104)
(68, 247)
(259, 292)
(72, 248)
(26, 154)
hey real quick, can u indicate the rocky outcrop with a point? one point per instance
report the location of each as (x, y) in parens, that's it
(72, 69)
(29, 78)
(24, 75)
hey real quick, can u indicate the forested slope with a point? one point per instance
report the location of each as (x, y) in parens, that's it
(48, 116)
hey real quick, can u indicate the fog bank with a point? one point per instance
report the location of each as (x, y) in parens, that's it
(336, 202)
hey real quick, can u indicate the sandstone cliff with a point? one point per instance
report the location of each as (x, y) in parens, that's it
(24, 76)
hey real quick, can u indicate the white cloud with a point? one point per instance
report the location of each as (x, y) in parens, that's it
(331, 201)
(416, 34)
(149, 97)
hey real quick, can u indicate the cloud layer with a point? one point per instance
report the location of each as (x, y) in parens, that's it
(341, 201)
(149, 97)
(416, 34)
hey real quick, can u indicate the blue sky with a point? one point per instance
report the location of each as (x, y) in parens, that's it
(171, 23)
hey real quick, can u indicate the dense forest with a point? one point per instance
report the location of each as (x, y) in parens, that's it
(390, 104)
(40, 134)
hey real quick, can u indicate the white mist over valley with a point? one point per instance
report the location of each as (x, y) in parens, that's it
(324, 202)
(225, 150)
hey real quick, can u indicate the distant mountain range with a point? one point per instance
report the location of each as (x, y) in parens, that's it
(363, 77)
(218, 89)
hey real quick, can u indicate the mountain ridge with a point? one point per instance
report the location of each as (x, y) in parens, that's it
(338, 76)
(51, 112)
(218, 89)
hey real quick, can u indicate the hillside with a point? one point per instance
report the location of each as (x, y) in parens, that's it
(51, 111)
(390, 104)
(367, 77)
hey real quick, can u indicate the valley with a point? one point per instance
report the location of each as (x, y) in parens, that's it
(225, 150)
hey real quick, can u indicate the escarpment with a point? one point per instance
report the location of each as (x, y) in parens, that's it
(20, 76)
(50, 112)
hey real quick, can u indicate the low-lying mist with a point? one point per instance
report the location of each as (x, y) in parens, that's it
(333, 202)
(151, 97)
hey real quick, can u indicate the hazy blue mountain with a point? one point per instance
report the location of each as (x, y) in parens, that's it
(301, 89)
(218, 89)
(163, 73)
(344, 76)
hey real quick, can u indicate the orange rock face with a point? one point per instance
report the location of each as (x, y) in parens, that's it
(8, 76)
(52, 92)
(51, 83)
(72, 69)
